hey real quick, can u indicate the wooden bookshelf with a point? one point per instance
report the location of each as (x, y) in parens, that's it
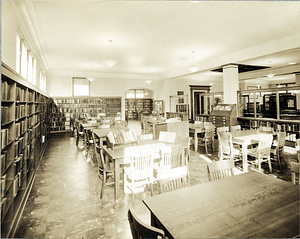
(135, 108)
(64, 109)
(24, 133)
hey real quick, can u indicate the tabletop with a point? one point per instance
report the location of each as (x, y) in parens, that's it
(246, 205)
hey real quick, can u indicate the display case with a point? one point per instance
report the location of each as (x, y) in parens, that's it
(135, 108)
(179, 103)
(275, 107)
(158, 107)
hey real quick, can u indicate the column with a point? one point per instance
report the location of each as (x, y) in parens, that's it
(297, 76)
(230, 83)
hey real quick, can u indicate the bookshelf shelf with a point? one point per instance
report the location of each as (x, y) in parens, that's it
(22, 127)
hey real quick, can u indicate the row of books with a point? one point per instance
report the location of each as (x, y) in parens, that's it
(277, 126)
(20, 94)
(4, 138)
(3, 162)
(3, 185)
(59, 123)
(5, 90)
(88, 101)
(20, 128)
(122, 137)
(113, 105)
(182, 108)
(20, 111)
(5, 116)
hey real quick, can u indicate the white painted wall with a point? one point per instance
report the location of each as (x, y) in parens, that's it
(9, 35)
(10, 26)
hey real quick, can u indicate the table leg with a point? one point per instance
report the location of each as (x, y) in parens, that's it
(117, 178)
(244, 151)
(196, 141)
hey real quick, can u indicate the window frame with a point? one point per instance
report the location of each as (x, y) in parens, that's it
(73, 86)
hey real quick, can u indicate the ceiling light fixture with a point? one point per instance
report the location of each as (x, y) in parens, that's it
(270, 75)
(90, 79)
(110, 62)
(149, 80)
(193, 68)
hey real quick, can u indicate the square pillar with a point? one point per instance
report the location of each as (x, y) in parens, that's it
(230, 83)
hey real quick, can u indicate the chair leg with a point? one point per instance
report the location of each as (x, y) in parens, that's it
(151, 188)
(278, 160)
(206, 147)
(103, 184)
(270, 165)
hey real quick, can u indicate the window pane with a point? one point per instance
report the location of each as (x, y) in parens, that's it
(81, 90)
(81, 86)
(33, 71)
(18, 56)
(30, 66)
(130, 94)
(24, 61)
(139, 93)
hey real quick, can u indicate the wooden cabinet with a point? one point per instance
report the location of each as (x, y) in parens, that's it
(223, 115)
(25, 129)
(158, 107)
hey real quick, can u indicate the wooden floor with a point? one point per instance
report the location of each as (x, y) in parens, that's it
(64, 201)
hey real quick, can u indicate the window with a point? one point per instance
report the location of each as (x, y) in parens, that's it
(130, 94)
(26, 64)
(42, 81)
(81, 87)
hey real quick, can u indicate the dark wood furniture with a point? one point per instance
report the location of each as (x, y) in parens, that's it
(247, 205)
(223, 115)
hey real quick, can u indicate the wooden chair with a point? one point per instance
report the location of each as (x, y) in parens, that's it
(141, 230)
(140, 172)
(105, 169)
(169, 137)
(207, 138)
(224, 129)
(174, 179)
(226, 149)
(220, 169)
(262, 152)
(185, 151)
(266, 128)
(235, 128)
(80, 135)
(295, 169)
(88, 143)
(207, 123)
(143, 137)
(277, 149)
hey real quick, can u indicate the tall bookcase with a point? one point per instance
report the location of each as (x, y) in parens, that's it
(134, 108)
(24, 133)
(66, 108)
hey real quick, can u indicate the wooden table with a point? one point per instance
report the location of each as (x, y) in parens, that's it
(121, 156)
(247, 205)
(195, 129)
(245, 138)
(156, 123)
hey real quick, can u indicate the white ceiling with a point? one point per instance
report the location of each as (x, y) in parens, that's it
(156, 38)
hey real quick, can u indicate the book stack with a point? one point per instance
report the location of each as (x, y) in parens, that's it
(5, 89)
(4, 138)
(4, 114)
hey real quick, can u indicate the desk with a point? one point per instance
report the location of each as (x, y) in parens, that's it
(195, 129)
(247, 205)
(157, 126)
(121, 156)
(245, 138)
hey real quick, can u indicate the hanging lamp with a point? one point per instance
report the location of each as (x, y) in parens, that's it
(193, 68)
(270, 75)
(110, 62)
(149, 80)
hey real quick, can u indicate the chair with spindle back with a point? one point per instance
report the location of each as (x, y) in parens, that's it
(235, 128)
(295, 169)
(140, 172)
(277, 149)
(105, 168)
(220, 169)
(174, 179)
(226, 149)
(262, 152)
(207, 138)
